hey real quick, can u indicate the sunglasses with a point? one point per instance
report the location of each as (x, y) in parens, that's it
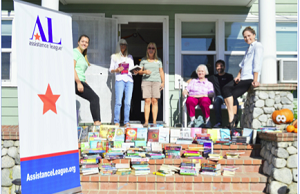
(153, 48)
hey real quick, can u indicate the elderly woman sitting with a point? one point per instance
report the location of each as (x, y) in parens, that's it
(199, 91)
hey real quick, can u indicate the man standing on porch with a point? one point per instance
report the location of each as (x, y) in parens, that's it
(153, 81)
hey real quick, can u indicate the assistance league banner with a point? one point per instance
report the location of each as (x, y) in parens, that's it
(46, 99)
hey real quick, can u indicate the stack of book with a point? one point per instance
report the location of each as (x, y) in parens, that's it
(215, 157)
(173, 151)
(189, 168)
(156, 151)
(89, 166)
(136, 153)
(233, 155)
(229, 170)
(202, 137)
(239, 140)
(194, 153)
(140, 166)
(123, 168)
(166, 170)
(223, 141)
(213, 169)
(114, 153)
(107, 169)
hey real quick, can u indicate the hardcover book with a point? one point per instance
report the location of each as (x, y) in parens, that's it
(119, 134)
(141, 134)
(125, 66)
(153, 135)
(131, 134)
(164, 135)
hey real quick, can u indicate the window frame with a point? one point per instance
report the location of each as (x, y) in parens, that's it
(220, 52)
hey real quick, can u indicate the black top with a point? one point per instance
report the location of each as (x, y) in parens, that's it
(219, 82)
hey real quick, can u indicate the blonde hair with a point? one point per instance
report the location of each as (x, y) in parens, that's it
(84, 53)
(205, 67)
(155, 54)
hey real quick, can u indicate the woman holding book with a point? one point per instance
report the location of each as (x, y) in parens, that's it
(247, 76)
(199, 91)
(82, 89)
(153, 81)
(120, 64)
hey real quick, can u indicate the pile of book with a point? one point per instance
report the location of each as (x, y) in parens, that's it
(221, 141)
(89, 166)
(134, 152)
(123, 168)
(213, 169)
(140, 166)
(215, 157)
(239, 140)
(156, 151)
(173, 151)
(114, 153)
(194, 153)
(229, 170)
(189, 168)
(233, 155)
(107, 169)
(166, 170)
(202, 137)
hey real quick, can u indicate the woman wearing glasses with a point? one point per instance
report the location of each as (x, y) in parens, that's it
(120, 64)
(152, 82)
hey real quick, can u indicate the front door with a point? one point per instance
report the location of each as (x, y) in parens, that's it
(103, 40)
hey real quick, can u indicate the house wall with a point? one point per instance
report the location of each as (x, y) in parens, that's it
(9, 98)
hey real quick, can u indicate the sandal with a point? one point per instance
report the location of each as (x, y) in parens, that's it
(127, 125)
(145, 125)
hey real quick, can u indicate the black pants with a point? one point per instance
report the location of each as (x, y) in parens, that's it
(89, 94)
(236, 89)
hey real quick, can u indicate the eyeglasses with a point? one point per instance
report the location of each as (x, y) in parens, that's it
(153, 48)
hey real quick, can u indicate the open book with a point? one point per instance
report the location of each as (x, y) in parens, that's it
(135, 68)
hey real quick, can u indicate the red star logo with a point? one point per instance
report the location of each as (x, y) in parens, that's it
(37, 36)
(49, 100)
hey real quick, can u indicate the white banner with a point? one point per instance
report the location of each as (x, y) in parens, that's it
(46, 97)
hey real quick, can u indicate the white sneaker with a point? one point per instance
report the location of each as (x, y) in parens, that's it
(191, 124)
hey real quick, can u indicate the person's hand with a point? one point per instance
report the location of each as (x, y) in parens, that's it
(162, 85)
(135, 72)
(185, 93)
(255, 84)
(120, 69)
(148, 72)
(237, 79)
(80, 87)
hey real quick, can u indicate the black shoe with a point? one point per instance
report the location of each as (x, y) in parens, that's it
(232, 123)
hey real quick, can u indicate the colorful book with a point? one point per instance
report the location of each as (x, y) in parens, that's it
(225, 133)
(214, 134)
(119, 134)
(195, 131)
(125, 66)
(84, 146)
(153, 135)
(131, 134)
(142, 134)
(95, 144)
(164, 135)
(118, 144)
(103, 131)
(84, 134)
(93, 134)
(111, 134)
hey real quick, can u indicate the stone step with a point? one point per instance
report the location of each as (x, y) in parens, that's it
(244, 163)
(241, 182)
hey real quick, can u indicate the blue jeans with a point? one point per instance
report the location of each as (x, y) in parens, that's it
(120, 87)
(218, 101)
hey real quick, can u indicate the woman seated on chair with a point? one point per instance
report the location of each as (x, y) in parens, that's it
(199, 91)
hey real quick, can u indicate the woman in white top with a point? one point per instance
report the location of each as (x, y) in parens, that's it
(247, 76)
(120, 64)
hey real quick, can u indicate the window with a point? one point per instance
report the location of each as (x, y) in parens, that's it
(6, 37)
(205, 38)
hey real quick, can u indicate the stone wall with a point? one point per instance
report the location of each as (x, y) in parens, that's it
(10, 169)
(261, 102)
(280, 164)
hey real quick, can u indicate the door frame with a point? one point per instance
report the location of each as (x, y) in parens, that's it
(125, 19)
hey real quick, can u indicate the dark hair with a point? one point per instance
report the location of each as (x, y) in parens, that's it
(249, 29)
(84, 53)
(220, 61)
